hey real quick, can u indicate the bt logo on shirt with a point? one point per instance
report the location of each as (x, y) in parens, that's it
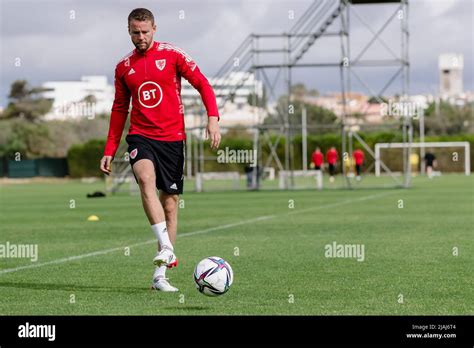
(150, 94)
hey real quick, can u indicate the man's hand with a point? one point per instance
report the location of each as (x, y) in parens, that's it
(212, 132)
(105, 163)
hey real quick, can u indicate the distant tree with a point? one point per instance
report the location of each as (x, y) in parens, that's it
(90, 98)
(261, 102)
(446, 119)
(376, 100)
(26, 102)
(29, 139)
(299, 90)
(358, 115)
(315, 115)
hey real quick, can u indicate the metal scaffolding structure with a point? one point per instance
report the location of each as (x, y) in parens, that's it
(257, 54)
(400, 60)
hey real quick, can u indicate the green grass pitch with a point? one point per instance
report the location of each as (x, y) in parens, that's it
(419, 259)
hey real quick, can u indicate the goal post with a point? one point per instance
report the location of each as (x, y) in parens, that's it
(216, 180)
(283, 176)
(424, 145)
(121, 179)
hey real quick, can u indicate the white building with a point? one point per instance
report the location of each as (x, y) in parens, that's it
(72, 99)
(245, 82)
(69, 99)
(451, 67)
(235, 112)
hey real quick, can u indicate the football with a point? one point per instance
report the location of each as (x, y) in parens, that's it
(213, 276)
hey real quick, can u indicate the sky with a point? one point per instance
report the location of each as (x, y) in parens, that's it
(61, 40)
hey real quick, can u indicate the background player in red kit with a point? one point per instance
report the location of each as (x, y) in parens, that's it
(317, 158)
(331, 158)
(359, 161)
(150, 76)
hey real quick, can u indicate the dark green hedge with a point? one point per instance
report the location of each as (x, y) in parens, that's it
(324, 141)
(83, 159)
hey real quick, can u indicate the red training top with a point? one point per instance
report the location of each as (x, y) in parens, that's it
(331, 156)
(153, 81)
(358, 156)
(317, 158)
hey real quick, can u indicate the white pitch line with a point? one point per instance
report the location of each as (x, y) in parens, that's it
(347, 201)
(207, 230)
(107, 251)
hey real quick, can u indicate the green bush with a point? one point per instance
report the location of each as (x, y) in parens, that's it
(83, 159)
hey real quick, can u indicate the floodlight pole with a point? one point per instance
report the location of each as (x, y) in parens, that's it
(288, 137)
(408, 120)
(304, 139)
(422, 140)
(255, 102)
(344, 71)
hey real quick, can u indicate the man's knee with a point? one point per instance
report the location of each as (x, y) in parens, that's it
(146, 179)
(170, 202)
(145, 174)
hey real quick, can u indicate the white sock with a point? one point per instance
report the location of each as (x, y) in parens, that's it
(161, 234)
(159, 272)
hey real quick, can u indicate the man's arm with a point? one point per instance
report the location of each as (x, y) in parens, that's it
(190, 71)
(117, 122)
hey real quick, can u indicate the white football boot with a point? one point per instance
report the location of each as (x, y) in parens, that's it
(162, 284)
(165, 257)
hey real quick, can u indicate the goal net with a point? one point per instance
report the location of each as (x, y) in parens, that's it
(210, 181)
(121, 178)
(451, 157)
(304, 179)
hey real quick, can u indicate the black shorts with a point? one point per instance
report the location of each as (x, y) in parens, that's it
(167, 157)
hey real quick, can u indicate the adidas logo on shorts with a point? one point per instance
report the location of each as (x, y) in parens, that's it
(174, 187)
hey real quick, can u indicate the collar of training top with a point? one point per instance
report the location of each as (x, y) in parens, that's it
(153, 47)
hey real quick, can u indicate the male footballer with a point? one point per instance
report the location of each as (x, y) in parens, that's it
(150, 76)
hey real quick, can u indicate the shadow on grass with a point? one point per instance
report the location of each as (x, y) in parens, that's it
(73, 287)
(187, 308)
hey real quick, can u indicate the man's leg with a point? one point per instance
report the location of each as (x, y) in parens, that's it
(170, 206)
(429, 171)
(331, 172)
(145, 172)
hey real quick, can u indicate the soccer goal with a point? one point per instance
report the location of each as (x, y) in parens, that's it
(217, 180)
(121, 179)
(304, 178)
(450, 156)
